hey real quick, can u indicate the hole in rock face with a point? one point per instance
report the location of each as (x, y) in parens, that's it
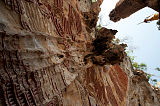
(153, 98)
(60, 56)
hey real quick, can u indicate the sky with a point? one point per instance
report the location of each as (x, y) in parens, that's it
(143, 39)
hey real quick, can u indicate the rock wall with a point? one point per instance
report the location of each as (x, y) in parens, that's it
(125, 8)
(43, 46)
(141, 93)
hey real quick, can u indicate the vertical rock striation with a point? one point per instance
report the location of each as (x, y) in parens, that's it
(43, 44)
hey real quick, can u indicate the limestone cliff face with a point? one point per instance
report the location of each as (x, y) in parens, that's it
(48, 57)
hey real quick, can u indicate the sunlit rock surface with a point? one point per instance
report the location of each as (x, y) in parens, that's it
(42, 48)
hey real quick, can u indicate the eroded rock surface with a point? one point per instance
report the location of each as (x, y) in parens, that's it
(104, 51)
(141, 92)
(125, 8)
(42, 48)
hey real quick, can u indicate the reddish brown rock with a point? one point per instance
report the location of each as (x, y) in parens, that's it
(125, 8)
(42, 48)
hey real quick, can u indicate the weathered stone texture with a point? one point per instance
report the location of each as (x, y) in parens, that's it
(42, 48)
(140, 92)
(125, 8)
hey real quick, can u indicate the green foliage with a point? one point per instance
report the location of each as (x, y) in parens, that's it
(143, 66)
(154, 82)
(148, 76)
(136, 65)
(99, 27)
(158, 69)
(94, 1)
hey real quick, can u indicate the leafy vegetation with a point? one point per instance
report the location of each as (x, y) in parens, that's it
(158, 69)
(143, 66)
(98, 27)
(94, 1)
